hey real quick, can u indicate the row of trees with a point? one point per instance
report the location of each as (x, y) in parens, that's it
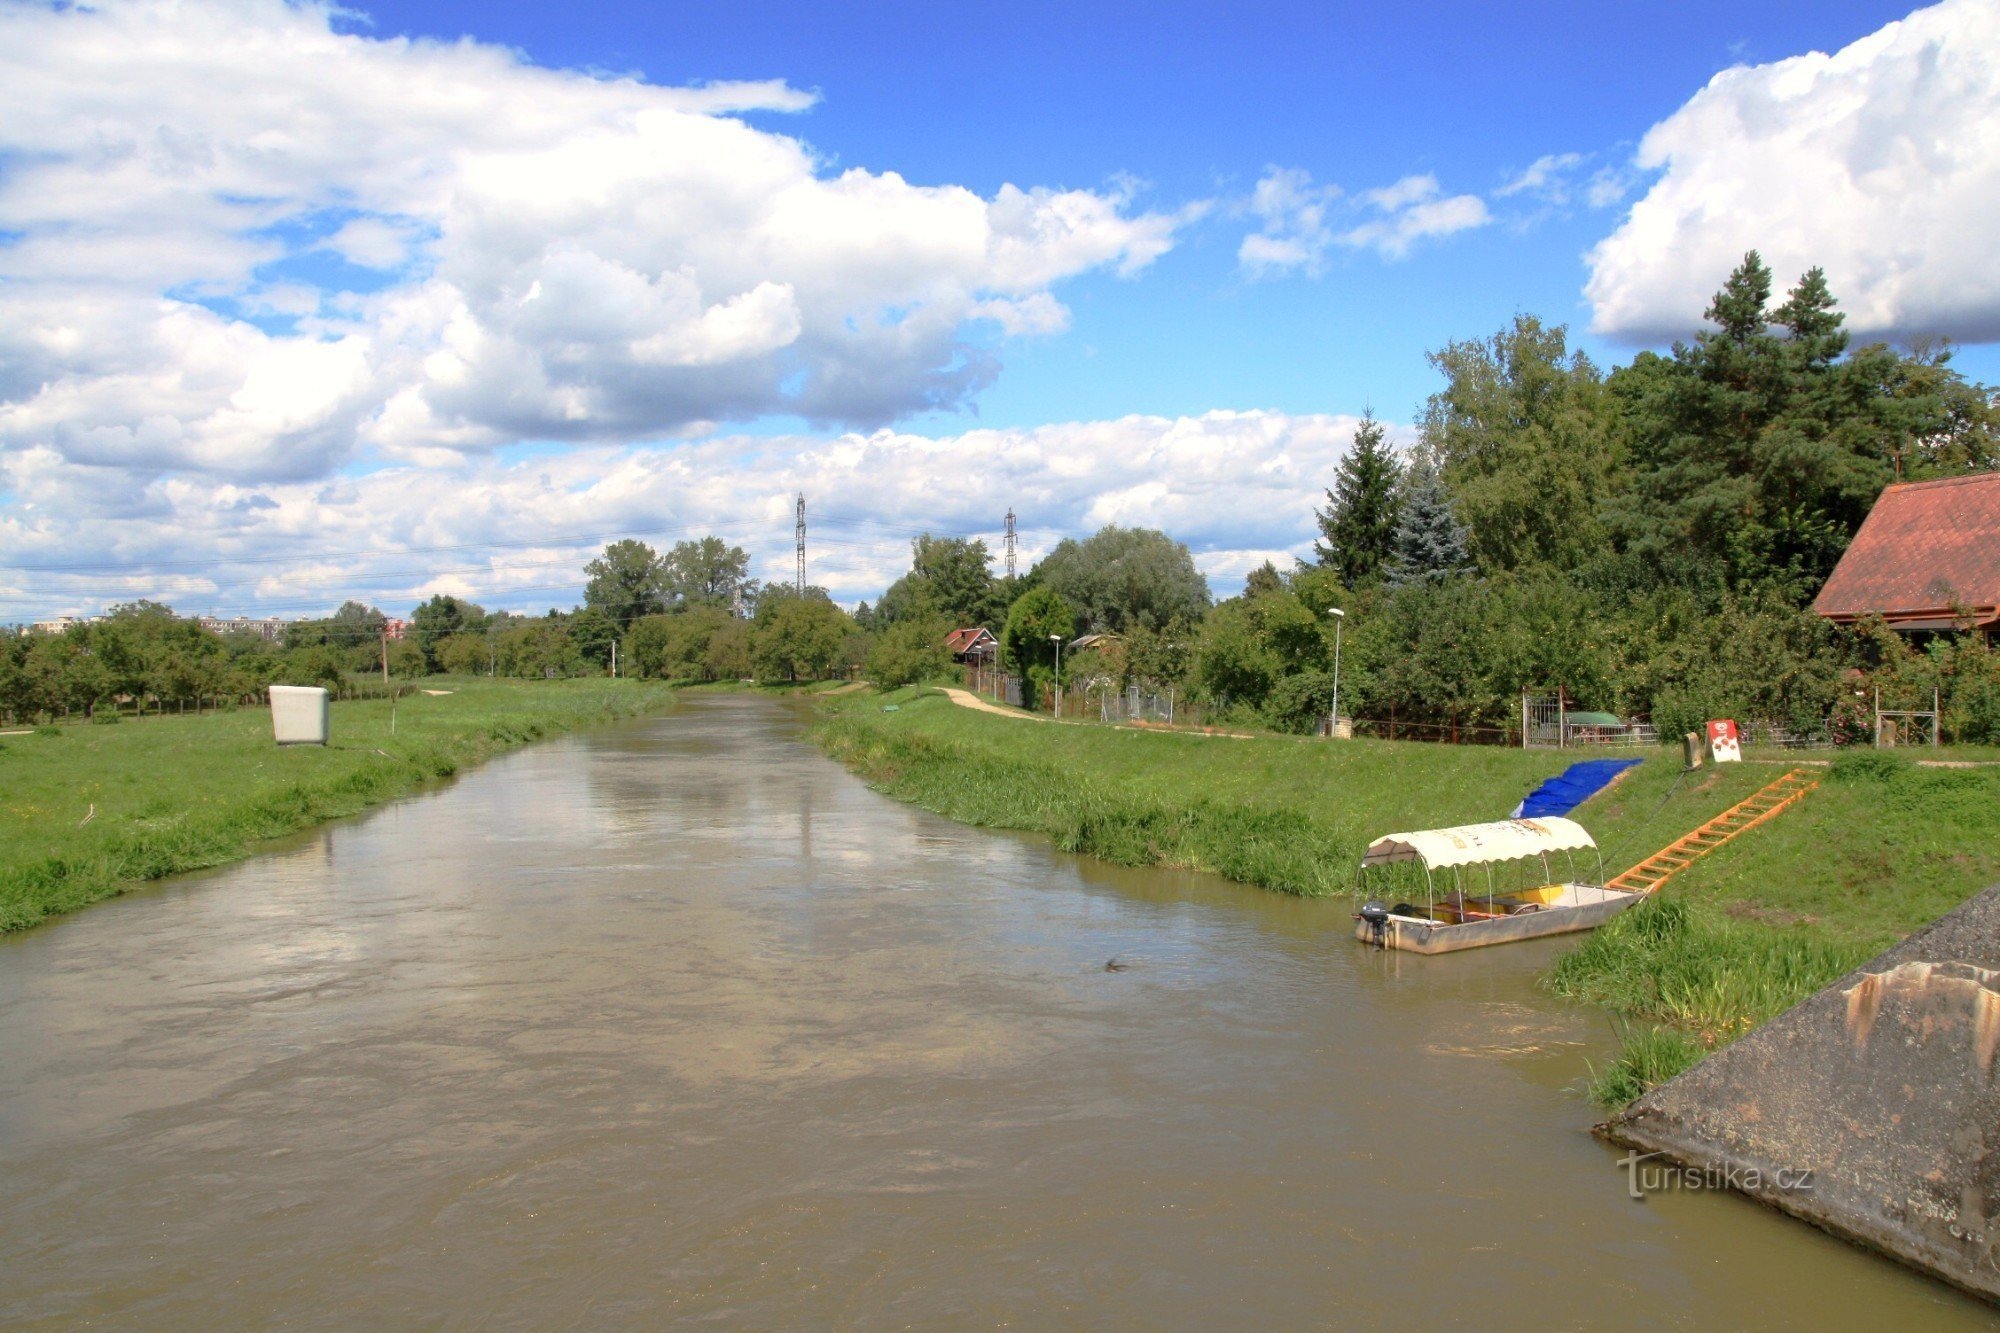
(1648, 540)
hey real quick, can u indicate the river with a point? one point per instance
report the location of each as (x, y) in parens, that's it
(677, 1019)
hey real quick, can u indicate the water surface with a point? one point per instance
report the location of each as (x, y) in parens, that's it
(677, 1019)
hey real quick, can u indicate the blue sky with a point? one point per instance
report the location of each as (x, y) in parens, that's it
(280, 283)
(1197, 100)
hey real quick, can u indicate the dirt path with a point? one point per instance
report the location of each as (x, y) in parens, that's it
(967, 699)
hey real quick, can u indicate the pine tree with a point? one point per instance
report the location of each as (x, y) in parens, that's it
(1429, 542)
(1358, 526)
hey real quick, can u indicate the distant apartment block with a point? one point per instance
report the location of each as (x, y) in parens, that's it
(269, 628)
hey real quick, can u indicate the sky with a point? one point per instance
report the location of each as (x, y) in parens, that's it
(301, 303)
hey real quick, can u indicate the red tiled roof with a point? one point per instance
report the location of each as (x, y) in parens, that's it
(1925, 547)
(963, 640)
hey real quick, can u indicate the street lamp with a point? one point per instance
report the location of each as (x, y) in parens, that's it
(1333, 723)
(1056, 639)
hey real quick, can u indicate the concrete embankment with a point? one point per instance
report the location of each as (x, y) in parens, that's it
(1870, 1110)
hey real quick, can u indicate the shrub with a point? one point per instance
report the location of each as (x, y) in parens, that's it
(1299, 704)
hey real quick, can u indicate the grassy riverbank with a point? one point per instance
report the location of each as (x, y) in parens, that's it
(89, 810)
(1879, 850)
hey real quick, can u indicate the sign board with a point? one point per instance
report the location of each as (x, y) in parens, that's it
(1725, 745)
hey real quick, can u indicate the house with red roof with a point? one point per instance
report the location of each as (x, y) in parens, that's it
(976, 643)
(1926, 557)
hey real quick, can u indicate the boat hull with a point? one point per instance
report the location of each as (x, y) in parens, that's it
(1416, 935)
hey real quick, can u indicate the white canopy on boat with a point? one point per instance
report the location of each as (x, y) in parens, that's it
(1477, 844)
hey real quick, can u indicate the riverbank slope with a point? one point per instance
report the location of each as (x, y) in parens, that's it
(91, 810)
(1881, 849)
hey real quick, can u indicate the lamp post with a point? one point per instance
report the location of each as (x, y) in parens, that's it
(1333, 723)
(1056, 639)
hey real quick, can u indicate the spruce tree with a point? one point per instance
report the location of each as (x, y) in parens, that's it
(1429, 543)
(1358, 526)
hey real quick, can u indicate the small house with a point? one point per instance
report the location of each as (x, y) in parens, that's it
(1926, 558)
(976, 644)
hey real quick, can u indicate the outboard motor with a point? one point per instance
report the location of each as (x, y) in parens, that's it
(1377, 917)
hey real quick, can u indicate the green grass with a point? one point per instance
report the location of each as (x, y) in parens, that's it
(89, 811)
(1882, 848)
(1647, 1057)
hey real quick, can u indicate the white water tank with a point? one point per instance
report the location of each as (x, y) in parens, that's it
(299, 714)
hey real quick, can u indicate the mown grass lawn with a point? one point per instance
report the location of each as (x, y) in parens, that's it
(1880, 849)
(87, 810)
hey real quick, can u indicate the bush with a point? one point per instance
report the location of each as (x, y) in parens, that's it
(1299, 704)
(909, 651)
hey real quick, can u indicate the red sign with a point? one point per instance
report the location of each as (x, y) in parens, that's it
(1725, 744)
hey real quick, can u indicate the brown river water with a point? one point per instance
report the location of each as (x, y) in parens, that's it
(678, 1020)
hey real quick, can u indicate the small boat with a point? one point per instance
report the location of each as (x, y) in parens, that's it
(1522, 898)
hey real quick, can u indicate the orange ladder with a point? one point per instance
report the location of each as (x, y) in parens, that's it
(1677, 856)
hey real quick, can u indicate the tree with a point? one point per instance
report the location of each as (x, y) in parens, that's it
(1528, 443)
(443, 615)
(1161, 656)
(708, 572)
(625, 582)
(594, 632)
(140, 609)
(1359, 521)
(1940, 424)
(949, 577)
(1430, 541)
(1119, 578)
(538, 649)
(465, 654)
(1759, 448)
(796, 637)
(1264, 578)
(1233, 664)
(910, 651)
(1034, 623)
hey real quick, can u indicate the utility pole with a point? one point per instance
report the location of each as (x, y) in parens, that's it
(1010, 541)
(385, 652)
(614, 659)
(802, 544)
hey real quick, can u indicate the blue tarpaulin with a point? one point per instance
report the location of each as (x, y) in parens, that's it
(1571, 787)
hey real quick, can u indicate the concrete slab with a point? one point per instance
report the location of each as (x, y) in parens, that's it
(1881, 1087)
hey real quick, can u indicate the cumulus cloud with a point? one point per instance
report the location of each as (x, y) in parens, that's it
(1239, 487)
(238, 240)
(1300, 221)
(1879, 163)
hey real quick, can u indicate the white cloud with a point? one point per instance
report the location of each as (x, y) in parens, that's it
(1880, 163)
(1300, 221)
(1607, 186)
(1294, 232)
(556, 255)
(1237, 486)
(1546, 177)
(1412, 209)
